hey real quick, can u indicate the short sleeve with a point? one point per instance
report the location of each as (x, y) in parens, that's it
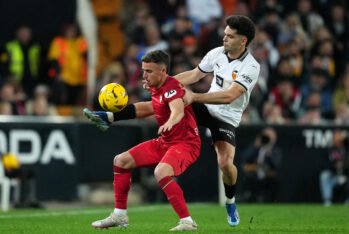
(173, 91)
(207, 63)
(248, 76)
(173, 94)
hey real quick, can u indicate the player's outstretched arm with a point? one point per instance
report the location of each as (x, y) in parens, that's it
(190, 77)
(219, 97)
(103, 119)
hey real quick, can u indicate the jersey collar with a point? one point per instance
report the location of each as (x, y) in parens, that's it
(240, 58)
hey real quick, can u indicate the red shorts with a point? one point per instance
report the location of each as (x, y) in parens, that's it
(180, 156)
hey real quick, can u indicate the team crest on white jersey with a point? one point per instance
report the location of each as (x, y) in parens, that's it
(234, 74)
(170, 93)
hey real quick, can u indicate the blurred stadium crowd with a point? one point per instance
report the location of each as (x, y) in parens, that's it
(302, 46)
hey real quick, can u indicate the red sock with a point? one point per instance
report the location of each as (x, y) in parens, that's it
(175, 196)
(122, 183)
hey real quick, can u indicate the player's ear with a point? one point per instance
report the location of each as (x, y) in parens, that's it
(244, 40)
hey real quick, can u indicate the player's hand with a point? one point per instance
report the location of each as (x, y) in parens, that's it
(99, 118)
(188, 97)
(165, 127)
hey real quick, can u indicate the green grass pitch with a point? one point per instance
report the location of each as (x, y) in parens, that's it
(291, 218)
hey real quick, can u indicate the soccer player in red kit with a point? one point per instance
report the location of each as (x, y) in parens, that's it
(172, 153)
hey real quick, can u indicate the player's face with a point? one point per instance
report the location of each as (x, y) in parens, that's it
(154, 74)
(232, 41)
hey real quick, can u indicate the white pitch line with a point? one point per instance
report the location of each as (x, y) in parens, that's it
(72, 213)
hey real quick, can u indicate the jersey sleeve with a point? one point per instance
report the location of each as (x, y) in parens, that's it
(207, 63)
(248, 76)
(173, 91)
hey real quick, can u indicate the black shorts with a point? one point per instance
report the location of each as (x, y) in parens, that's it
(220, 131)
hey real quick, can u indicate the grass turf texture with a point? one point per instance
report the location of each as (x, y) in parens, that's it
(160, 218)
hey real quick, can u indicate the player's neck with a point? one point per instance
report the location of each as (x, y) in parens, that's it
(161, 83)
(236, 54)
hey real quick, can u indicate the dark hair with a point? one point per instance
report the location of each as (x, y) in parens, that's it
(243, 26)
(157, 56)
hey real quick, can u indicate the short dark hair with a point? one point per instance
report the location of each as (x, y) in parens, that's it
(157, 56)
(243, 25)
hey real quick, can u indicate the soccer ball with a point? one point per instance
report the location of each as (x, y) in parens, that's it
(113, 97)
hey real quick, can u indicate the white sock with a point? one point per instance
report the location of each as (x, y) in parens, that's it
(120, 211)
(188, 219)
(230, 200)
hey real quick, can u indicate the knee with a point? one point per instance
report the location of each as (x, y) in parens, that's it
(162, 171)
(123, 161)
(159, 174)
(225, 162)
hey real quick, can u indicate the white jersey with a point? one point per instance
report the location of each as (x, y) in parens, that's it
(243, 70)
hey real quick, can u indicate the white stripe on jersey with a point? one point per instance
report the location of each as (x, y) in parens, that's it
(244, 70)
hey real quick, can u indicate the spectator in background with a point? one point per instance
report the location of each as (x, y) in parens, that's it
(309, 18)
(262, 7)
(6, 108)
(341, 100)
(272, 114)
(9, 94)
(132, 67)
(341, 93)
(341, 114)
(136, 22)
(325, 50)
(290, 29)
(261, 162)
(287, 97)
(310, 113)
(319, 82)
(67, 57)
(152, 39)
(204, 11)
(282, 71)
(23, 60)
(336, 172)
(337, 23)
(271, 23)
(39, 105)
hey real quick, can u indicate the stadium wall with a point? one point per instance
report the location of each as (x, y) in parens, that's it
(64, 153)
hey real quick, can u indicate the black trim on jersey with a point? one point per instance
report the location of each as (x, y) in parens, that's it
(240, 58)
(243, 55)
(219, 81)
(241, 84)
(202, 70)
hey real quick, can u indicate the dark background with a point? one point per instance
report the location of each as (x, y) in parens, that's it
(94, 152)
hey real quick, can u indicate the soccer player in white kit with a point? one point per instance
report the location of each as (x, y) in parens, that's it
(235, 74)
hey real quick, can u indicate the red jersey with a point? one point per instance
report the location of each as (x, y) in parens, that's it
(184, 131)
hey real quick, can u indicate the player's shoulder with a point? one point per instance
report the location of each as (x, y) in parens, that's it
(171, 83)
(251, 63)
(251, 60)
(216, 52)
(171, 80)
